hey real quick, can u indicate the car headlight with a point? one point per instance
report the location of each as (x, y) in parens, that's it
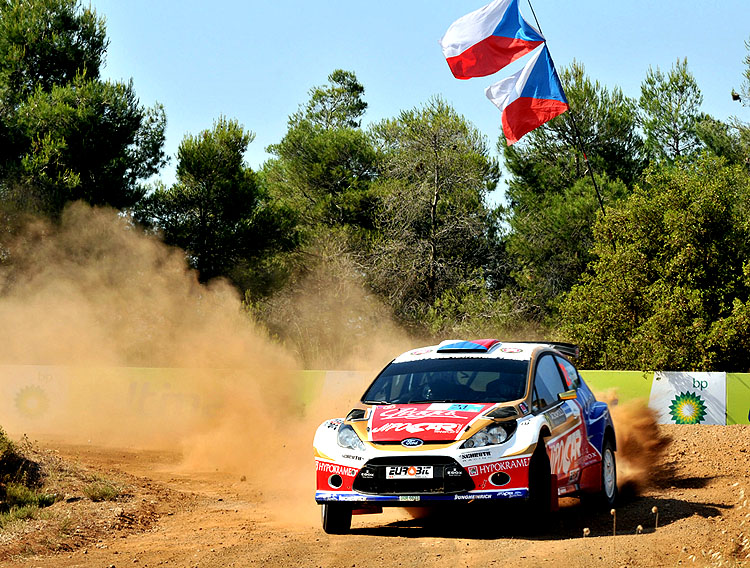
(492, 434)
(347, 438)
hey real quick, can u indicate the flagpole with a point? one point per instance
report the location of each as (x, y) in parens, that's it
(577, 133)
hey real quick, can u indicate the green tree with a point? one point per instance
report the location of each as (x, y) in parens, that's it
(744, 95)
(549, 158)
(670, 110)
(552, 202)
(551, 242)
(47, 43)
(64, 133)
(336, 105)
(671, 282)
(218, 212)
(325, 163)
(437, 231)
(730, 140)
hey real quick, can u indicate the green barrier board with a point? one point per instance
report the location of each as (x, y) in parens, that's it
(311, 383)
(738, 398)
(627, 384)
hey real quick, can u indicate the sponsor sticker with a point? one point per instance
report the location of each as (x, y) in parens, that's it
(480, 455)
(352, 457)
(421, 351)
(566, 452)
(555, 417)
(466, 407)
(408, 497)
(409, 413)
(441, 421)
(494, 467)
(408, 472)
(351, 498)
(411, 428)
(472, 497)
(335, 423)
(327, 467)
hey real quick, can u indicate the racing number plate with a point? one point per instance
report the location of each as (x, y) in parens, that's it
(408, 472)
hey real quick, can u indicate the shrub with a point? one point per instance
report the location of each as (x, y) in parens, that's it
(102, 490)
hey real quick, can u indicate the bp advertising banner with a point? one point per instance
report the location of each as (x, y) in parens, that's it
(689, 398)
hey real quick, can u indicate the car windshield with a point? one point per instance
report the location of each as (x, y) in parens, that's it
(449, 380)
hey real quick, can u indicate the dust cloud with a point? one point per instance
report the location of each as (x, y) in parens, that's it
(108, 338)
(641, 446)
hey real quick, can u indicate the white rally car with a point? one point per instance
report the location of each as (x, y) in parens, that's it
(467, 421)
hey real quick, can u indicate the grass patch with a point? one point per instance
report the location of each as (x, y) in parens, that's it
(16, 514)
(18, 495)
(102, 490)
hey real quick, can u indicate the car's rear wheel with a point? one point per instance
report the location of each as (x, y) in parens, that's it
(608, 495)
(609, 474)
(337, 518)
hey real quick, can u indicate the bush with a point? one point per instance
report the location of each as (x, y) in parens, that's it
(102, 490)
(670, 289)
(20, 479)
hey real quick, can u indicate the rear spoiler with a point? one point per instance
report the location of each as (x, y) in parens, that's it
(567, 349)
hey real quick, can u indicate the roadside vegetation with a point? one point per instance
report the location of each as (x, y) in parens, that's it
(644, 263)
(51, 504)
(22, 492)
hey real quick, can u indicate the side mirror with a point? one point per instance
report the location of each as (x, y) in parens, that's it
(568, 395)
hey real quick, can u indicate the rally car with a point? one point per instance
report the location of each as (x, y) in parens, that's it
(465, 421)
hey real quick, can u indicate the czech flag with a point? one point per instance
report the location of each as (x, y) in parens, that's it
(530, 97)
(486, 40)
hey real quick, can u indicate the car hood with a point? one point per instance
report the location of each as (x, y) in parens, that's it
(436, 422)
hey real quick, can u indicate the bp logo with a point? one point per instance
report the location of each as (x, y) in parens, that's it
(687, 408)
(32, 401)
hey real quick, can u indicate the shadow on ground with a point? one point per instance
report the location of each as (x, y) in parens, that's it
(484, 521)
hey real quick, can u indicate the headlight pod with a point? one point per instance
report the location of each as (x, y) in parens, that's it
(347, 438)
(491, 435)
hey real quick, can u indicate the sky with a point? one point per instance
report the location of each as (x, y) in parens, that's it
(256, 61)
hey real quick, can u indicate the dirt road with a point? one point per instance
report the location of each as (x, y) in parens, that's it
(172, 517)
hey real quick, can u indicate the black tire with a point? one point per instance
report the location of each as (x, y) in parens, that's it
(540, 485)
(609, 494)
(337, 518)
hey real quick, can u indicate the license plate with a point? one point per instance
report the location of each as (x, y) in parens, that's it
(408, 472)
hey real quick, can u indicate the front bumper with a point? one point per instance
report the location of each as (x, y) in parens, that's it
(451, 481)
(405, 500)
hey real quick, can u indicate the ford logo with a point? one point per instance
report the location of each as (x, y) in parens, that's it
(411, 443)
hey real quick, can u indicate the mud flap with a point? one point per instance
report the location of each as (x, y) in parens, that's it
(554, 501)
(367, 510)
(591, 478)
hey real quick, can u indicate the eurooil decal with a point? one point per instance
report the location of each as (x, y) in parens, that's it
(687, 408)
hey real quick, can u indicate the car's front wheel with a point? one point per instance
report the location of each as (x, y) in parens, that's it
(337, 518)
(540, 483)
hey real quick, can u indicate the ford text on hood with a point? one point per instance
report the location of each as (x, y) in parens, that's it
(465, 421)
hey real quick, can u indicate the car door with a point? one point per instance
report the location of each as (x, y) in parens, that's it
(567, 428)
(594, 412)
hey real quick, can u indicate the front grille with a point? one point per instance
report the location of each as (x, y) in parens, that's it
(424, 443)
(447, 477)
